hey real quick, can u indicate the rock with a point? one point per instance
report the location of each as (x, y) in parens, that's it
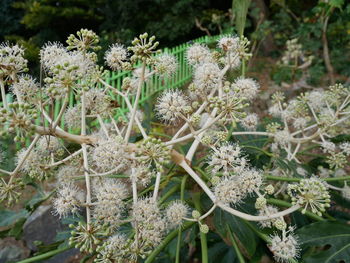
(43, 226)
(12, 250)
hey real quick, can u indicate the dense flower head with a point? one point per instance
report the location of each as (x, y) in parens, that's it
(34, 164)
(12, 61)
(116, 57)
(150, 223)
(229, 191)
(50, 144)
(227, 158)
(69, 199)
(207, 76)
(115, 248)
(165, 65)
(284, 247)
(175, 213)
(109, 154)
(97, 102)
(246, 87)
(171, 105)
(228, 43)
(311, 193)
(250, 122)
(109, 194)
(26, 89)
(197, 54)
(153, 151)
(49, 54)
(72, 117)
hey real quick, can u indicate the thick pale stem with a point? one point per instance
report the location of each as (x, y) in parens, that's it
(85, 159)
(137, 98)
(156, 187)
(103, 126)
(205, 188)
(60, 114)
(3, 94)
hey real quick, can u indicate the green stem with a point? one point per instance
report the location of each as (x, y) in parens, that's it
(203, 237)
(292, 179)
(286, 204)
(169, 193)
(166, 241)
(44, 256)
(179, 234)
(235, 245)
(284, 179)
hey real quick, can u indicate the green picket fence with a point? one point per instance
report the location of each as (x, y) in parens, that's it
(155, 84)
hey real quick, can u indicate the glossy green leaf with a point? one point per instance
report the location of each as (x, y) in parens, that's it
(333, 238)
(8, 218)
(244, 234)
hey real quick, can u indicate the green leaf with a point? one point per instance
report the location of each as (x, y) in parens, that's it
(336, 3)
(8, 217)
(333, 236)
(244, 234)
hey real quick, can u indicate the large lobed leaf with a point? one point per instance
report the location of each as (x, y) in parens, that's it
(333, 238)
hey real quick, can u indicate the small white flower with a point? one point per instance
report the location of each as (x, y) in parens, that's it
(109, 194)
(285, 247)
(165, 65)
(171, 105)
(116, 56)
(26, 89)
(328, 147)
(49, 54)
(246, 87)
(72, 117)
(227, 158)
(175, 213)
(345, 147)
(228, 43)
(68, 200)
(12, 60)
(282, 137)
(197, 54)
(250, 122)
(207, 76)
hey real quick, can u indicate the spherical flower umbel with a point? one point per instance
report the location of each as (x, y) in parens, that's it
(284, 247)
(116, 57)
(175, 213)
(250, 122)
(165, 65)
(311, 193)
(26, 89)
(229, 191)
(246, 87)
(49, 54)
(109, 154)
(207, 76)
(72, 117)
(12, 60)
(109, 194)
(227, 158)
(69, 199)
(228, 43)
(171, 105)
(197, 54)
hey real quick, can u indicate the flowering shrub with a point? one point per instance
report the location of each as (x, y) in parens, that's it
(128, 209)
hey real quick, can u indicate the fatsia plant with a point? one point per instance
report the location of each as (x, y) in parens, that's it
(126, 215)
